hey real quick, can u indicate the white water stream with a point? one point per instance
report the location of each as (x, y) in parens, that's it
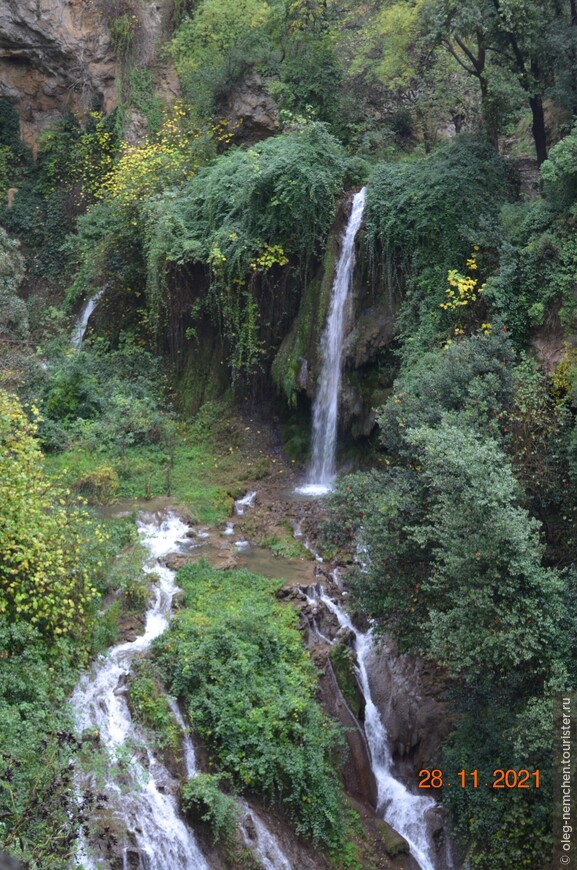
(83, 318)
(325, 411)
(404, 811)
(141, 798)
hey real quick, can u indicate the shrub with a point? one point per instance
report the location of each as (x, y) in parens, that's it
(203, 798)
(236, 659)
(43, 578)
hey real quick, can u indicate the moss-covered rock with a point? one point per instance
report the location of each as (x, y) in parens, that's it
(395, 844)
(298, 356)
(343, 661)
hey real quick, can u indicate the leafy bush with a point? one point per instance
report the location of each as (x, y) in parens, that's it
(470, 381)
(39, 804)
(203, 798)
(104, 400)
(149, 706)
(43, 577)
(422, 219)
(236, 659)
(216, 44)
(538, 254)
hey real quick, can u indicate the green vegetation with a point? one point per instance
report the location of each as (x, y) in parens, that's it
(235, 658)
(244, 218)
(53, 571)
(149, 706)
(209, 235)
(204, 799)
(455, 572)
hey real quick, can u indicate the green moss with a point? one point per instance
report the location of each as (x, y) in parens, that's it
(395, 844)
(343, 661)
(283, 543)
(202, 376)
(303, 341)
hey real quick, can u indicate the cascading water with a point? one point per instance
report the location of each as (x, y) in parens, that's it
(262, 843)
(325, 411)
(83, 318)
(140, 794)
(407, 813)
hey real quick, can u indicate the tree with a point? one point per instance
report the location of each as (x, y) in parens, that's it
(42, 578)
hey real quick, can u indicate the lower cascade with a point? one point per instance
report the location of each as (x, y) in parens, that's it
(404, 811)
(143, 803)
(325, 410)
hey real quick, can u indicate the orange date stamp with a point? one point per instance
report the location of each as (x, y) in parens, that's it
(506, 779)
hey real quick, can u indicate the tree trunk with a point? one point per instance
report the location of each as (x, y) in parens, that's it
(538, 128)
(489, 122)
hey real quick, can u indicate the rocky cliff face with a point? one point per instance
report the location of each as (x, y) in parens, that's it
(57, 56)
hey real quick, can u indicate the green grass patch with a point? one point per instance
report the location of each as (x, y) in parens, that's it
(146, 472)
(283, 543)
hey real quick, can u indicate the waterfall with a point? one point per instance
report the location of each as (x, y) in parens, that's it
(83, 318)
(325, 411)
(404, 811)
(140, 788)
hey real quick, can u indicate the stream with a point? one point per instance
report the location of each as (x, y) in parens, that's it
(140, 788)
(404, 811)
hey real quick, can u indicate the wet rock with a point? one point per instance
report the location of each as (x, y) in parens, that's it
(410, 696)
(8, 863)
(130, 627)
(225, 561)
(357, 773)
(251, 112)
(176, 561)
(373, 331)
(395, 844)
(132, 859)
(122, 685)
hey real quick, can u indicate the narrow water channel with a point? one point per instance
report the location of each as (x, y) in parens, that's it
(140, 789)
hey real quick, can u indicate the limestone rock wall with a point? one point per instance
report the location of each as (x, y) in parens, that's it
(57, 56)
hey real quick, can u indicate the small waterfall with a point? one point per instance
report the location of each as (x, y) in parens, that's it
(241, 504)
(255, 834)
(401, 809)
(261, 841)
(325, 411)
(139, 785)
(83, 318)
(189, 754)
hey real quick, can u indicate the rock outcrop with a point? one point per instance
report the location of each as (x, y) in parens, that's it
(250, 111)
(57, 56)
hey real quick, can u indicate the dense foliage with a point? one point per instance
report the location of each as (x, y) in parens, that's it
(243, 217)
(42, 576)
(453, 567)
(426, 218)
(235, 658)
(206, 238)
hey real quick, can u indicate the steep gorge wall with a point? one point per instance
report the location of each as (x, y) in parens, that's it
(58, 56)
